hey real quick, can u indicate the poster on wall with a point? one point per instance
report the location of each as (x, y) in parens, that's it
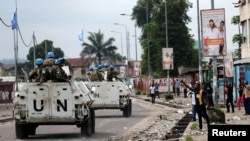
(167, 59)
(213, 32)
(229, 66)
(122, 71)
(137, 68)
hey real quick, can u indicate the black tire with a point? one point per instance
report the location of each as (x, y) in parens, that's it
(126, 110)
(32, 129)
(21, 131)
(92, 111)
(130, 107)
(86, 127)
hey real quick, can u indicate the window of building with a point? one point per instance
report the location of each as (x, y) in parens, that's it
(248, 30)
(244, 31)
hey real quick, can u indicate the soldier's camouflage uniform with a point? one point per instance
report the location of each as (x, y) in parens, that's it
(112, 74)
(40, 75)
(49, 62)
(93, 76)
(35, 74)
(58, 74)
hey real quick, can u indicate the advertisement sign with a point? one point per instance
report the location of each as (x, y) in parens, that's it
(167, 59)
(213, 32)
(229, 66)
(122, 71)
(137, 68)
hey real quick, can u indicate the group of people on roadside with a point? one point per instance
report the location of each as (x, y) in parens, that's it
(49, 69)
(202, 98)
(103, 72)
(243, 98)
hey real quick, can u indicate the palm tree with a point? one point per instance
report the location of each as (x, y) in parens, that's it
(99, 47)
(237, 38)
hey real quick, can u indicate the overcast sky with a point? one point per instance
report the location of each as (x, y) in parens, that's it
(62, 20)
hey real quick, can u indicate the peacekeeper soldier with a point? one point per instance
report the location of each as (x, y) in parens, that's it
(50, 61)
(112, 73)
(57, 73)
(35, 74)
(105, 70)
(41, 74)
(93, 76)
(100, 73)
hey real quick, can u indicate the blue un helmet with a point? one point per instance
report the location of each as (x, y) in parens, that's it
(39, 61)
(105, 65)
(50, 55)
(99, 66)
(111, 67)
(59, 61)
(91, 68)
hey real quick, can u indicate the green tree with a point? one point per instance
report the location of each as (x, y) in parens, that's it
(237, 38)
(152, 22)
(40, 51)
(102, 49)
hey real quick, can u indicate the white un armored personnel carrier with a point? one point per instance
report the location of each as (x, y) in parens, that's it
(111, 95)
(53, 104)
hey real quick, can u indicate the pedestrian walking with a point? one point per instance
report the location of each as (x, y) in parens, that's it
(177, 87)
(209, 93)
(157, 93)
(246, 96)
(152, 93)
(173, 85)
(229, 95)
(240, 90)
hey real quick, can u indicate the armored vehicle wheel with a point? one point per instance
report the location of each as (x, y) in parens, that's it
(21, 131)
(92, 111)
(130, 107)
(127, 110)
(32, 129)
(86, 127)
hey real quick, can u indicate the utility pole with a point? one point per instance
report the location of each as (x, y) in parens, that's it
(166, 24)
(216, 94)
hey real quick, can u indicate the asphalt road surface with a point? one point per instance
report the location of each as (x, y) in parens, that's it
(110, 124)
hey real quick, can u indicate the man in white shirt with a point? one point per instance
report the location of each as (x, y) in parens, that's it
(212, 40)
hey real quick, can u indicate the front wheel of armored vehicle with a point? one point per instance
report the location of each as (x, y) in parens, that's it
(32, 129)
(127, 111)
(21, 131)
(130, 107)
(92, 111)
(86, 127)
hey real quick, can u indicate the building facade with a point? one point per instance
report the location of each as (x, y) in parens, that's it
(245, 24)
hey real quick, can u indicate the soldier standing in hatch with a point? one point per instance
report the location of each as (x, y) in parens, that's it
(58, 74)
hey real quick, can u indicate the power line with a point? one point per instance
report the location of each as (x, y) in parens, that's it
(4, 23)
(27, 45)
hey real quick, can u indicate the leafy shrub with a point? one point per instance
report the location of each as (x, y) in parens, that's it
(138, 92)
(169, 96)
(194, 126)
(189, 138)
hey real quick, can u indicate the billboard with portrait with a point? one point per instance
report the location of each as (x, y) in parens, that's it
(167, 59)
(137, 68)
(229, 66)
(213, 32)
